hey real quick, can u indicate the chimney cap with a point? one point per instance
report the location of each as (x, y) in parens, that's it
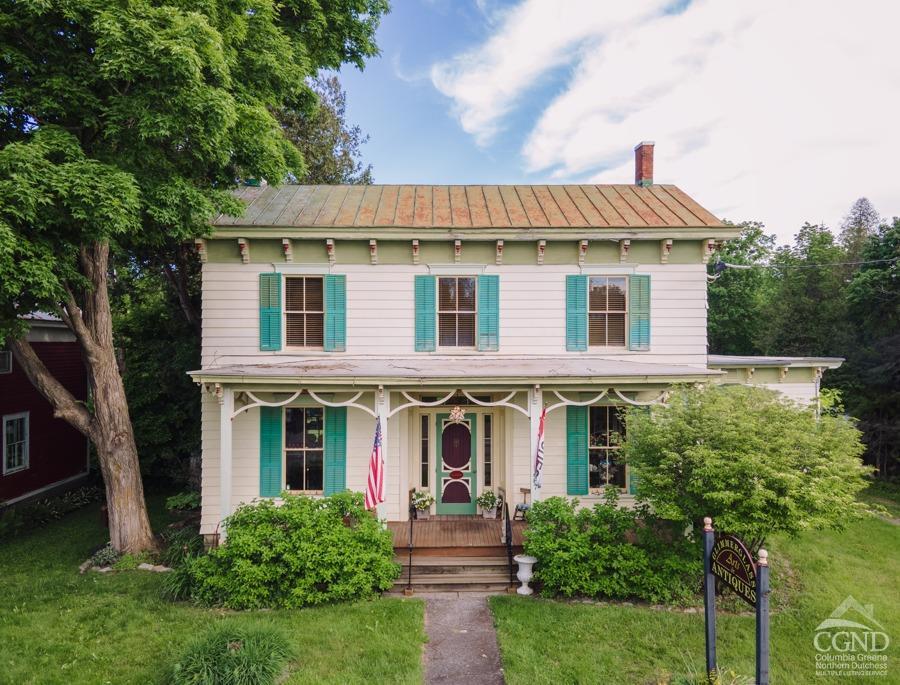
(643, 143)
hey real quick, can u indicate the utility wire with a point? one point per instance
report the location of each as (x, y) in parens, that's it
(721, 266)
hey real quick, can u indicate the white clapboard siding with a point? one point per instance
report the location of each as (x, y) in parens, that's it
(802, 393)
(380, 312)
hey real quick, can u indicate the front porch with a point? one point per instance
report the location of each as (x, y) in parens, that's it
(456, 535)
(307, 427)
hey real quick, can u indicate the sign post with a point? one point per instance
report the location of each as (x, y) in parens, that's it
(709, 597)
(727, 559)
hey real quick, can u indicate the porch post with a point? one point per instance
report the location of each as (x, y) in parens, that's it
(382, 409)
(535, 406)
(226, 409)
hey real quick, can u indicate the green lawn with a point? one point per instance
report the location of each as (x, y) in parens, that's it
(60, 627)
(544, 641)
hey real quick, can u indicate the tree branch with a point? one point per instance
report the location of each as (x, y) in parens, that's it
(178, 281)
(65, 405)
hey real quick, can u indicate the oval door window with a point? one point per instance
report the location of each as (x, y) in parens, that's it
(456, 475)
(456, 446)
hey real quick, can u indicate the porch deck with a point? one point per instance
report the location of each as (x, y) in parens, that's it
(461, 535)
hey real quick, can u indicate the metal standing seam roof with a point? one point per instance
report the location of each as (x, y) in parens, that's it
(471, 206)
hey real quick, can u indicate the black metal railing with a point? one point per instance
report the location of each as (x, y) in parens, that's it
(412, 517)
(509, 541)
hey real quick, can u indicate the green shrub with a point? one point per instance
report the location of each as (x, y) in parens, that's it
(610, 552)
(754, 462)
(234, 654)
(129, 562)
(179, 544)
(105, 556)
(305, 551)
(183, 501)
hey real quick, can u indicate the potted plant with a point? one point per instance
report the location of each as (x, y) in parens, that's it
(487, 500)
(422, 501)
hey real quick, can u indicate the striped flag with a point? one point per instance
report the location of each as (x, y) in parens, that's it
(539, 456)
(375, 483)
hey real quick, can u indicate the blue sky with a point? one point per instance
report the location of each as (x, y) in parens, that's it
(766, 110)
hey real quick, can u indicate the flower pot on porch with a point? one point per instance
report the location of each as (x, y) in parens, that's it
(489, 513)
(422, 514)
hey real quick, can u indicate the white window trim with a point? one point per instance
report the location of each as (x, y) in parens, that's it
(627, 312)
(285, 449)
(437, 328)
(6, 368)
(14, 417)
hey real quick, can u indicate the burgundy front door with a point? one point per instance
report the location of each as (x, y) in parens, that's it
(456, 467)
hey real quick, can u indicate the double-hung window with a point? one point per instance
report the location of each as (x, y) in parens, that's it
(457, 310)
(606, 431)
(15, 442)
(304, 431)
(607, 311)
(304, 311)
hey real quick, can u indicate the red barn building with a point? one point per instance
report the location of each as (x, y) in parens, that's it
(40, 452)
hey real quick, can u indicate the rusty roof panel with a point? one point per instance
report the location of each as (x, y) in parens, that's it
(387, 206)
(423, 214)
(368, 205)
(459, 207)
(443, 206)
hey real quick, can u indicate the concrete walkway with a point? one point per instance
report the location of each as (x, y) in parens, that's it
(462, 643)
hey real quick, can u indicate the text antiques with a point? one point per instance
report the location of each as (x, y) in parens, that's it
(728, 560)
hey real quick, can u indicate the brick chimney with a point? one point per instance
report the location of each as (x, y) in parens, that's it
(643, 164)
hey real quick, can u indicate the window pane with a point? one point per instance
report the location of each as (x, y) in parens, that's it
(597, 329)
(315, 334)
(294, 470)
(314, 428)
(598, 427)
(615, 331)
(293, 298)
(616, 470)
(466, 331)
(447, 329)
(293, 428)
(294, 329)
(488, 449)
(597, 294)
(616, 295)
(314, 297)
(424, 452)
(595, 476)
(447, 294)
(616, 424)
(466, 294)
(314, 469)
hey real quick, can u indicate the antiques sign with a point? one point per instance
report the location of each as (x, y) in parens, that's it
(732, 563)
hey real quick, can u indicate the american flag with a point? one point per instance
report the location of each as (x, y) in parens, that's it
(375, 484)
(539, 456)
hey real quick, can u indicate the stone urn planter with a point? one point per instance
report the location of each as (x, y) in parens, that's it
(525, 574)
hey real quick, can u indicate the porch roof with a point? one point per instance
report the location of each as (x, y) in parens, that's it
(443, 370)
(727, 361)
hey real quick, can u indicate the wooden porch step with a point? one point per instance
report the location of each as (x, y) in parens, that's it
(456, 582)
(443, 565)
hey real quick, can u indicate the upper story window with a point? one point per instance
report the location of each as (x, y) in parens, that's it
(304, 446)
(606, 430)
(456, 311)
(607, 311)
(5, 361)
(304, 311)
(15, 442)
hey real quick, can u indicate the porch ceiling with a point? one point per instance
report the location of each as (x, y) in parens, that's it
(440, 371)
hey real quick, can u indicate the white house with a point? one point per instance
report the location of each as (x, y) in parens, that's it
(325, 307)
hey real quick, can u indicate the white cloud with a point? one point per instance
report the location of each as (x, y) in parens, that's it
(771, 110)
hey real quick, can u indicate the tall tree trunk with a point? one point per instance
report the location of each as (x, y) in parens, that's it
(109, 426)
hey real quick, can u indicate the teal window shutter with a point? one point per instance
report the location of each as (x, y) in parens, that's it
(576, 313)
(270, 451)
(639, 312)
(633, 480)
(335, 313)
(576, 450)
(269, 311)
(489, 313)
(425, 313)
(335, 450)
